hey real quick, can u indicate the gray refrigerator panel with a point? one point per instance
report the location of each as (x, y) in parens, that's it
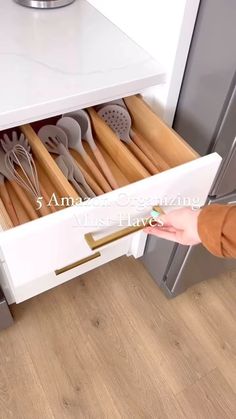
(225, 145)
(226, 131)
(6, 318)
(157, 257)
(209, 73)
(175, 267)
(197, 264)
(226, 180)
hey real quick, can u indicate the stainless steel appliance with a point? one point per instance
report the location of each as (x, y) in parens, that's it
(206, 118)
(44, 4)
(6, 318)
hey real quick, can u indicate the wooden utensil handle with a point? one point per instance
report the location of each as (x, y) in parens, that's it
(24, 201)
(5, 221)
(90, 181)
(8, 204)
(44, 210)
(46, 199)
(106, 170)
(153, 156)
(142, 158)
(97, 174)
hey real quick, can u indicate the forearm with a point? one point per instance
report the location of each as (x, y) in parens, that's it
(217, 229)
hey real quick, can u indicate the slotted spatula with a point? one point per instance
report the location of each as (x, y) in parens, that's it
(56, 141)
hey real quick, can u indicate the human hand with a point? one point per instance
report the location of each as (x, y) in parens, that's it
(179, 226)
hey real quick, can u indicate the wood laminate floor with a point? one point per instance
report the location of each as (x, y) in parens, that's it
(110, 345)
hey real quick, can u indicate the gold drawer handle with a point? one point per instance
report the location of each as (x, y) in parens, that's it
(110, 238)
(78, 263)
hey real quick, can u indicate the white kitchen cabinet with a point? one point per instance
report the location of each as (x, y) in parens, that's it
(56, 71)
(164, 29)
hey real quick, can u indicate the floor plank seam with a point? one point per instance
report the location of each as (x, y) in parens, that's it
(195, 382)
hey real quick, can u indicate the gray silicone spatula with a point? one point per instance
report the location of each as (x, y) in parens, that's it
(118, 119)
(83, 119)
(68, 173)
(56, 142)
(73, 132)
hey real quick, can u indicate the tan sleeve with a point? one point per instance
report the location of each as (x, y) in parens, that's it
(217, 229)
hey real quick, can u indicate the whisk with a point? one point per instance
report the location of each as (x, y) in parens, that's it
(27, 177)
(21, 166)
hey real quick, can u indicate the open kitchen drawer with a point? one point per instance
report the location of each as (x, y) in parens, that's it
(41, 254)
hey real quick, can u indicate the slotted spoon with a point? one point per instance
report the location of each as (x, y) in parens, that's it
(118, 119)
(149, 151)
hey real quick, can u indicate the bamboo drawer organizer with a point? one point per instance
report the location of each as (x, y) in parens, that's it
(166, 147)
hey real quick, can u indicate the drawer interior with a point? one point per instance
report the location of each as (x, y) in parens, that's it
(166, 148)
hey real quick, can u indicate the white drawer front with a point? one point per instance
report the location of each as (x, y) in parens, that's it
(34, 251)
(26, 288)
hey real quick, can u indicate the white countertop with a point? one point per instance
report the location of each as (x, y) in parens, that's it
(58, 60)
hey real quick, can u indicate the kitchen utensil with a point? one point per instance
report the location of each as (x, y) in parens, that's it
(90, 181)
(5, 220)
(29, 182)
(50, 168)
(8, 143)
(18, 154)
(73, 132)
(20, 193)
(7, 201)
(153, 156)
(117, 150)
(78, 175)
(118, 119)
(44, 4)
(67, 170)
(119, 102)
(56, 142)
(84, 122)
